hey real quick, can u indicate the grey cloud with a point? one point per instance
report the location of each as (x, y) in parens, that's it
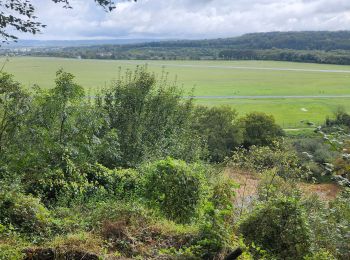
(191, 18)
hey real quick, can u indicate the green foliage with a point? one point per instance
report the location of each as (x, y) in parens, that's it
(336, 135)
(10, 252)
(321, 152)
(122, 183)
(315, 154)
(151, 119)
(66, 150)
(220, 130)
(272, 185)
(260, 129)
(14, 105)
(217, 225)
(175, 188)
(280, 227)
(22, 212)
(260, 159)
(321, 255)
(330, 225)
(341, 119)
(128, 183)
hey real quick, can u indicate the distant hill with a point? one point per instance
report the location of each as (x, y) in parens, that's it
(307, 40)
(308, 46)
(71, 43)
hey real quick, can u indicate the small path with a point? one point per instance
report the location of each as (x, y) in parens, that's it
(268, 97)
(298, 129)
(232, 67)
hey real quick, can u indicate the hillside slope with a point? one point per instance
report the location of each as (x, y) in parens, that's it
(315, 47)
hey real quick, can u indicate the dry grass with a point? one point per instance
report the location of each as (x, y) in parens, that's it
(134, 237)
(248, 186)
(86, 242)
(249, 182)
(326, 191)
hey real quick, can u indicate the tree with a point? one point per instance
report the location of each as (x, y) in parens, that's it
(150, 118)
(260, 129)
(19, 15)
(14, 104)
(219, 129)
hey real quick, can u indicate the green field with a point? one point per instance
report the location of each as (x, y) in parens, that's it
(216, 78)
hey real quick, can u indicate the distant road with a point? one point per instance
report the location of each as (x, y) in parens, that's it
(267, 97)
(233, 67)
(258, 97)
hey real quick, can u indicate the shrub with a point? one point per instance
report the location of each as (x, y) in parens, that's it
(219, 129)
(261, 159)
(260, 129)
(57, 185)
(320, 151)
(99, 176)
(331, 225)
(25, 213)
(175, 188)
(341, 118)
(10, 252)
(321, 255)
(314, 154)
(128, 183)
(217, 225)
(279, 227)
(123, 183)
(273, 186)
(151, 119)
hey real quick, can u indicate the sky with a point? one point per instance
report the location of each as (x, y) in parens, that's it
(188, 19)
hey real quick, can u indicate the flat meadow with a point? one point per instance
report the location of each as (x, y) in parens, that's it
(264, 86)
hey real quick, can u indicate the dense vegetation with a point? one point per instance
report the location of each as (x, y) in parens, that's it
(316, 47)
(138, 172)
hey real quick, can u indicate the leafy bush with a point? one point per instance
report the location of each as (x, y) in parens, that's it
(175, 188)
(25, 213)
(260, 159)
(65, 184)
(10, 252)
(320, 152)
(273, 186)
(151, 119)
(321, 255)
(341, 118)
(315, 154)
(219, 129)
(128, 183)
(123, 183)
(260, 129)
(280, 227)
(330, 225)
(217, 223)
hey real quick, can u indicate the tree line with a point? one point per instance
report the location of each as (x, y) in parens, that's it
(314, 47)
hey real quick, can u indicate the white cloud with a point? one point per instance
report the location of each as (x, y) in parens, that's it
(190, 18)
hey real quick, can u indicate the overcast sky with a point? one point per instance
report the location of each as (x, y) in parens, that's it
(189, 18)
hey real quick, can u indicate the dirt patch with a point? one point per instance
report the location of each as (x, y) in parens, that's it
(248, 185)
(249, 182)
(326, 191)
